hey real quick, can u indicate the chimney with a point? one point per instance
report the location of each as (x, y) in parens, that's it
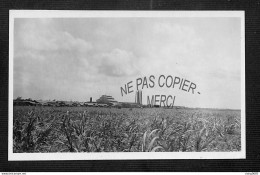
(141, 94)
(90, 100)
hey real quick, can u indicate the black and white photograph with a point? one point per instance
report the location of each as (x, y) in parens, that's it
(98, 85)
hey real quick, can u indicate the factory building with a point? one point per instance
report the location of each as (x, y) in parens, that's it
(107, 99)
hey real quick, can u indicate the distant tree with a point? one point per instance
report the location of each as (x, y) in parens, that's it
(19, 98)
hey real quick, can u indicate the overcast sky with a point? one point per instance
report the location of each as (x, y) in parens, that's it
(75, 59)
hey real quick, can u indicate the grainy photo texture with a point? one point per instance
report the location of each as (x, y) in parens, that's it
(145, 84)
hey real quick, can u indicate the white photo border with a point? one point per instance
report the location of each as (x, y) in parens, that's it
(122, 155)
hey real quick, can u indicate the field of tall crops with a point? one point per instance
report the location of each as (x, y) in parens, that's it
(86, 129)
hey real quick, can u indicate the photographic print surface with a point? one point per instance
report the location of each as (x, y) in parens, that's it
(126, 85)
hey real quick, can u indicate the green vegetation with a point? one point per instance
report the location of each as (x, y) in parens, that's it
(87, 129)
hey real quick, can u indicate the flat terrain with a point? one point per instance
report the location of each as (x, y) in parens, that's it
(89, 129)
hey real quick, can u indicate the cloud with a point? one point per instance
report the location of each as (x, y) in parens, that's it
(41, 35)
(46, 59)
(79, 58)
(116, 63)
(183, 37)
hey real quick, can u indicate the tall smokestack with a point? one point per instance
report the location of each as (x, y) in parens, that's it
(90, 100)
(141, 94)
(136, 97)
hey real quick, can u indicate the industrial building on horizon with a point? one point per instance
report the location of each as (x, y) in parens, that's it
(107, 99)
(103, 101)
